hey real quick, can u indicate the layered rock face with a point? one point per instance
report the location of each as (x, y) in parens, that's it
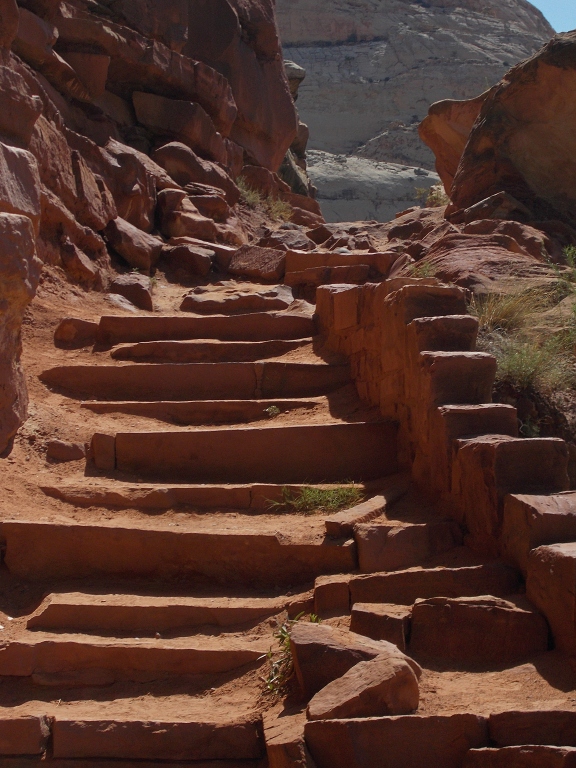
(88, 92)
(373, 69)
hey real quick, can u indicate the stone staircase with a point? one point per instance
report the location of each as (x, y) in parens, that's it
(162, 577)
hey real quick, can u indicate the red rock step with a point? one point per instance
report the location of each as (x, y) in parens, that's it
(120, 613)
(241, 557)
(453, 378)
(521, 757)
(291, 454)
(531, 521)
(405, 741)
(263, 326)
(205, 351)
(188, 412)
(72, 660)
(446, 333)
(197, 381)
(106, 493)
(123, 738)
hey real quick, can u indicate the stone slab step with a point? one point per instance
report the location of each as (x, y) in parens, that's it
(405, 587)
(30, 762)
(319, 453)
(205, 351)
(188, 412)
(242, 558)
(392, 546)
(405, 741)
(23, 734)
(76, 660)
(108, 493)
(530, 521)
(265, 326)
(133, 739)
(82, 612)
(521, 757)
(197, 381)
(447, 333)
(457, 378)
(551, 586)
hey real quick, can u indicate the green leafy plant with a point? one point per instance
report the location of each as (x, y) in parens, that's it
(281, 662)
(272, 411)
(309, 499)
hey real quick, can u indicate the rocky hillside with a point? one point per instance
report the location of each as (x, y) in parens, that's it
(373, 69)
(122, 132)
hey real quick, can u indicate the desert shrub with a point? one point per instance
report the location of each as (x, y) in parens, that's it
(508, 312)
(432, 197)
(249, 196)
(278, 209)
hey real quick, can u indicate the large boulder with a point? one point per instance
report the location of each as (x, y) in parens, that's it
(323, 653)
(523, 141)
(19, 275)
(383, 686)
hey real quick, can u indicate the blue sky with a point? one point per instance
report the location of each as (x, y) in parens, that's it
(560, 13)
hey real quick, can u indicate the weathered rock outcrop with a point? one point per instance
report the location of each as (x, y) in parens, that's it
(87, 93)
(522, 143)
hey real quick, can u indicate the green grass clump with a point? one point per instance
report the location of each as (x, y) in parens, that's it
(281, 669)
(278, 209)
(526, 365)
(308, 499)
(508, 312)
(249, 196)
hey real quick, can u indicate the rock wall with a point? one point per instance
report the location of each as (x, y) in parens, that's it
(374, 67)
(122, 125)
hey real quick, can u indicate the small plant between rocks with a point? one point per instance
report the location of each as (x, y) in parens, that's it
(281, 670)
(309, 499)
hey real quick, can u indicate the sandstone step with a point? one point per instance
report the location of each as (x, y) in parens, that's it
(40, 762)
(265, 326)
(319, 453)
(448, 333)
(404, 741)
(291, 454)
(405, 587)
(76, 660)
(551, 586)
(460, 421)
(188, 412)
(238, 557)
(454, 378)
(23, 734)
(521, 757)
(382, 621)
(530, 521)
(487, 468)
(421, 300)
(109, 493)
(299, 261)
(342, 523)
(205, 351)
(456, 630)
(392, 546)
(203, 738)
(197, 381)
(105, 614)
(540, 726)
